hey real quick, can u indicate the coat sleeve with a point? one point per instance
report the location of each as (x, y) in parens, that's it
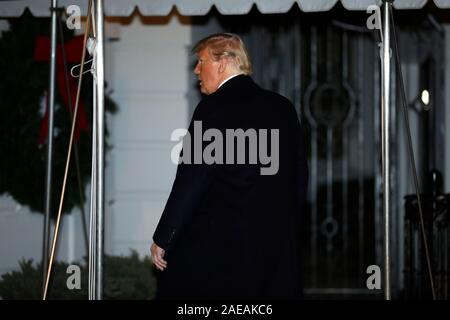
(191, 183)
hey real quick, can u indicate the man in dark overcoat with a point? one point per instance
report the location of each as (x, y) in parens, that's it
(230, 227)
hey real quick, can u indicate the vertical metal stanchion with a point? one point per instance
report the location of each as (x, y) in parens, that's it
(100, 82)
(97, 201)
(385, 101)
(49, 171)
(93, 210)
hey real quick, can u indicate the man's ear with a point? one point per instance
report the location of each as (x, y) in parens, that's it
(222, 65)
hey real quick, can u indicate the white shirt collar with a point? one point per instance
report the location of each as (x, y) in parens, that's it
(231, 77)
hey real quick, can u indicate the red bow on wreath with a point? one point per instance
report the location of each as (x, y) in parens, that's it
(73, 49)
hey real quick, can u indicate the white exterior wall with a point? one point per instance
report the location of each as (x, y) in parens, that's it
(149, 68)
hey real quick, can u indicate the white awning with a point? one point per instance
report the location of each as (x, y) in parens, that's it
(40, 8)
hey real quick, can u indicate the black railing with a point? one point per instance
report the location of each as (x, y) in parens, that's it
(436, 209)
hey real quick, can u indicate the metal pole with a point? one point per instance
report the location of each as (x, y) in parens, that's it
(93, 221)
(385, 80)
(97, 212)
(99, 20)
(51, 107)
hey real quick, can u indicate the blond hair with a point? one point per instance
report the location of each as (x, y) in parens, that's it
(222, 45)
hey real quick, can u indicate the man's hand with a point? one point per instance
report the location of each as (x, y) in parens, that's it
(157, 254)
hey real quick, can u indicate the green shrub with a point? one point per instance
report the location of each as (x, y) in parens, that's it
(125, 277)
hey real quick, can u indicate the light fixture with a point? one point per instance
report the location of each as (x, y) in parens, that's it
(425, 97)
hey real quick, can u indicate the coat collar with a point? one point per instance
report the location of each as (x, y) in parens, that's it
(240, 82)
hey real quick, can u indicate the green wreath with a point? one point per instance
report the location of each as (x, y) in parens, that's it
(22, 86)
